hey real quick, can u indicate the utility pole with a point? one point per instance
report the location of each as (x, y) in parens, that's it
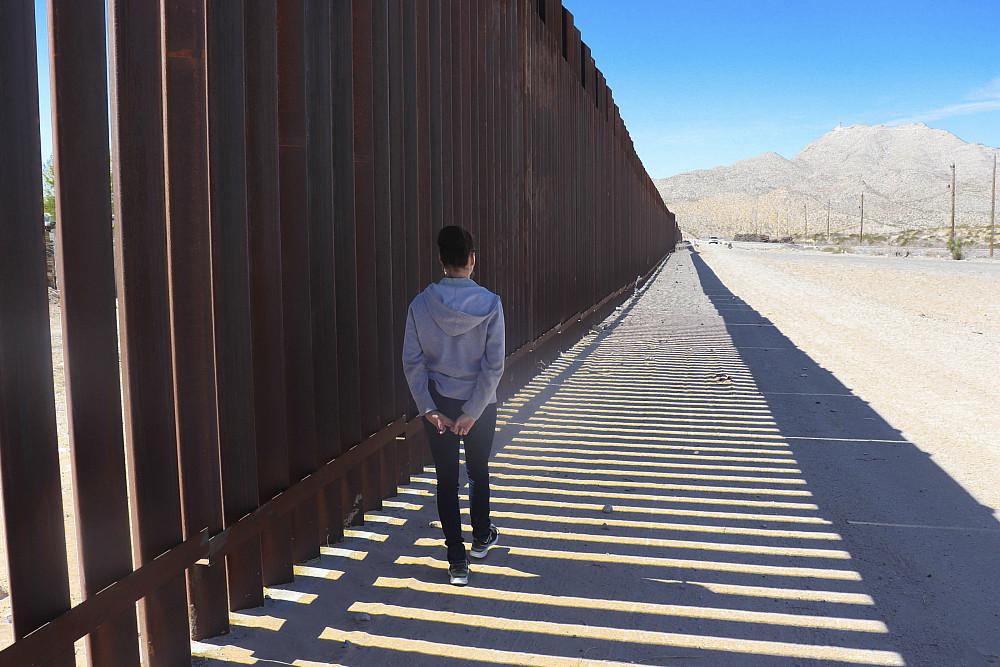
(828, 220)
(993, 205)
(861, 234)
(953, 203)
(756, 199)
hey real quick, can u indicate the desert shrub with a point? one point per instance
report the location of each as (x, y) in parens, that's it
(762, 238)
(955, 247)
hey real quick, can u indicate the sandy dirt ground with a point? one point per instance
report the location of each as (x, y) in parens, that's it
(686, 485)
(919, 339)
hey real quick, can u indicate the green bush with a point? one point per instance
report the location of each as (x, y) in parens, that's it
(955, 247)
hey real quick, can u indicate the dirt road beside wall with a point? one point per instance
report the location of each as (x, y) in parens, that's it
(918, 339)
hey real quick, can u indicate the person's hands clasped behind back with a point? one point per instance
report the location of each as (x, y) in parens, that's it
(463, 425)
(443, 422)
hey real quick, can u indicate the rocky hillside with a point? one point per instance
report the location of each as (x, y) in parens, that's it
(904, 172)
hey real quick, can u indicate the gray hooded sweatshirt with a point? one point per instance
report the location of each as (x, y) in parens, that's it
(455, 338)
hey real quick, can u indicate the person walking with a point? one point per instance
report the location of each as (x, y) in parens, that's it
(453, 356)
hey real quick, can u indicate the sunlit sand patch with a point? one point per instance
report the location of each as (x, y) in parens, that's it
(643, 350)
(631, 606)
(381, 518)
(655, 434)
(663, 405)
(774, 449)
(396, 504)
(226, 653)
(644, 399)
(353, 554)
(741, 382)
(661, 543)
(631, 452)
(686, 366)
(837, 597)
(605, 494)
(462, 653)
(779, 445)
(648, 376)
(289, 596)
(702, 642)
(569, 416)
(679, 563)
(416, 492)
(614, 420)
(648, 464)
(272, 623)
(316, 572)
(633, 509)
(644, 485)
(365, 535)
(663, 525)
(646, 473)
(479, 567)
(704, 386)
(682, 390)
(585, 430)
(663, 377)
(665, 408)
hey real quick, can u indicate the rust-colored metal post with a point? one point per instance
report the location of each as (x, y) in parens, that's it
(29, 459)
(322, 271)
(85, 262)
(363, 20)
(383, 368)
(190, 271)
(144, 318)
(263, 221)
(231, 289)
(296, 293)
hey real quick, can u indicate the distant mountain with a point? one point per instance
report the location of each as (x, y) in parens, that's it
(903, 170)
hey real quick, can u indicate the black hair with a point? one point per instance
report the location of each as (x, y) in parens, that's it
(454, 246)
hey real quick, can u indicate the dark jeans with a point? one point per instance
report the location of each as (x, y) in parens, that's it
(444, 448)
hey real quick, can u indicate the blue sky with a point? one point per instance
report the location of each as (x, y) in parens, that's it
(707, 82)
(44, 105)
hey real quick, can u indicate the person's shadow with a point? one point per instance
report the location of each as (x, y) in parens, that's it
(928, 552)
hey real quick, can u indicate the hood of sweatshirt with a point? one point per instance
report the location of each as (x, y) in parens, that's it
(458, 305)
